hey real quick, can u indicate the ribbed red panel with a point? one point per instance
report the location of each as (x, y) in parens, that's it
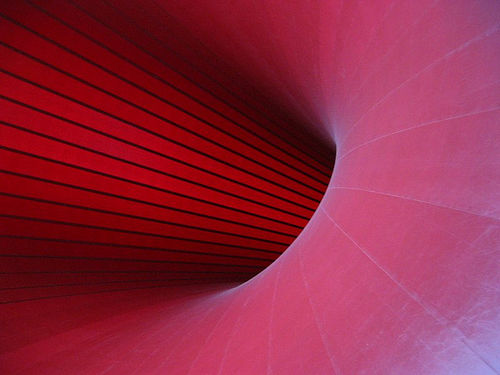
(117, 155)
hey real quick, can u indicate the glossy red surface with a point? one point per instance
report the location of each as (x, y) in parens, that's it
(171, 151)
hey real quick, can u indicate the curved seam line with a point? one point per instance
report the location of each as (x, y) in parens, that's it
(432, 64)
(271, 318)
(434, 313)
(412, 200)
(421, 125)
(334, 366)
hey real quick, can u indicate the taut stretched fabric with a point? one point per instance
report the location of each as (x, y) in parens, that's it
(158, 157)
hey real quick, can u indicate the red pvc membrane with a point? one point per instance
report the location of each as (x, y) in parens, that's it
(158, 156)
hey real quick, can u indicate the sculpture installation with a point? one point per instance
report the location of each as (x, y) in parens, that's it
(250, 187)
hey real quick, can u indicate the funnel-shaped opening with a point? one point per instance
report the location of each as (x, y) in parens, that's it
(157, 159)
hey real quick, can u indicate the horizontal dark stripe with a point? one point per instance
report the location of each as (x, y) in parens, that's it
(146, 185)
(137, 247)
(138, 217)
(147, 234)
(110, 283)
(155, 76)
(21, 128)
(118, 272)
(92, 293)
(104, 259)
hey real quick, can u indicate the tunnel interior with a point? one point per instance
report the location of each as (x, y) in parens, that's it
(249, 187)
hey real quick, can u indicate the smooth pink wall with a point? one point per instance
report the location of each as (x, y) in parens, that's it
(397, 272)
